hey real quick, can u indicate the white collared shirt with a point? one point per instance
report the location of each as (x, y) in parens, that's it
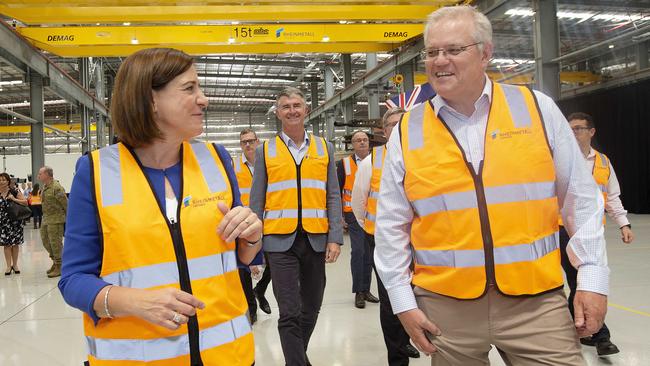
(250, 165)
(298, 152)
(580, 200)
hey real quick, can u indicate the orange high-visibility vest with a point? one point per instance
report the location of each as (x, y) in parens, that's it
(141, 249)
(350, 168)
(378, 155)
(297, 191)
(495, 226)
(601, 173)
(244, 179)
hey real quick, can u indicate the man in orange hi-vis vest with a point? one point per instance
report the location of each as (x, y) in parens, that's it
(602, 170)
(468, 207)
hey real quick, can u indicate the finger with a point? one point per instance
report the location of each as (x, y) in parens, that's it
(423, 343)
(227, 214)
(169, 324)
(182, 319)
(189, 299)
(184, 309)
(579, 316)
(235, 226)
(431, 328)
(254, 229)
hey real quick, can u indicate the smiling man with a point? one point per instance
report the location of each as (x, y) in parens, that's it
(295, 192)
(479, 215)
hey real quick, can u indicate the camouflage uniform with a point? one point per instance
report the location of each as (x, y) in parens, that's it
(55, 205)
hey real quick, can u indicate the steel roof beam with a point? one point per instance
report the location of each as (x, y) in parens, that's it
(59, 81)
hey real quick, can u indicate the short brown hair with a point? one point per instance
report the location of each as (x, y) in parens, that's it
(582, 116)
(391, 112)
(246, 131)
(132, 102)
(288, 92)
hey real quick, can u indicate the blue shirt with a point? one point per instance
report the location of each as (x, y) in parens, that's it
(82, 254)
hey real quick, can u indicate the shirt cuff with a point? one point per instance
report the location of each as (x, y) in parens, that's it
(402, 298)
(622, 221)
(593, 278)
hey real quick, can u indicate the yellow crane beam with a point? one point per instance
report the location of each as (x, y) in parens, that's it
(72, 127)
(210, 39)
(145, 13)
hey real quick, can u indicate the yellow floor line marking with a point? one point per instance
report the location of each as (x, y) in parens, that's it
(621, 307)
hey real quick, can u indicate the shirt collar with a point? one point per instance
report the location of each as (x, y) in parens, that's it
(288, 139)
(243, 158)
(592, 153)
(439, 103)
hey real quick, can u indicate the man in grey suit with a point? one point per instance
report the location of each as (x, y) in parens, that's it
(295, 192)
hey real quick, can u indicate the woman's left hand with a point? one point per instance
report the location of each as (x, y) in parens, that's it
(239, 222)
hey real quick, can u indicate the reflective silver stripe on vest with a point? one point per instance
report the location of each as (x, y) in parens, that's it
(347, 191)
(244, 190)
(602, 188)
(346, 166)
(493, 195)
(110, 176)
(415, 130)
(603, 160)
(445, 202)
(475, 257)
(347, 204)
(293, 214)
(291, 184)
(526, 252)
(320, 149)
(237, 165)
(370, 217)
(167, 273)
(379, 157)
(517, 105)
(211, 173)
(519, 192)
(374, 195)
(148, 350)
(273, 149)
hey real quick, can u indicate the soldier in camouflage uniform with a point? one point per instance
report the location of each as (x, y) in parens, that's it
(55, 205)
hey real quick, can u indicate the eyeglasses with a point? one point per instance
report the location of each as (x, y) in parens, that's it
(248, 142)
(433, 53)
(580, 128)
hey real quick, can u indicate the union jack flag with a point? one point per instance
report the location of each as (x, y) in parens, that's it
(411, 98)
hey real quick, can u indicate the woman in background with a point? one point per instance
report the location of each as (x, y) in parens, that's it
(36, 205)
(11, 231)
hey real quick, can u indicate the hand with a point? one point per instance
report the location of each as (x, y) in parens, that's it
(160, 306)
(627, 235)
(416, 324)
(589, 309)
(332, 252)
(344, 224)
(239, 222)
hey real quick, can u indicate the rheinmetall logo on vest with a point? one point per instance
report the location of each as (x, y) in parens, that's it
(199, 202)
(510, 134)
(186, 201)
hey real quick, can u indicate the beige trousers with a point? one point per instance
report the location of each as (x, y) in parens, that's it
(535, 330)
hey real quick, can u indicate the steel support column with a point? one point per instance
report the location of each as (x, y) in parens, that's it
(547, 48)
(329, 93)
(37, 113)
(348, 105)
(100, 84)
(84, 80)
(373, 94)
(315, 124)
(406, 70)
(642, 55)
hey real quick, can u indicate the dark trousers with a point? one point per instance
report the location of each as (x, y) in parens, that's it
(263, 283)
(247, 285)
(572, 281)
(298, 284)
(395, 337)
(360, 255)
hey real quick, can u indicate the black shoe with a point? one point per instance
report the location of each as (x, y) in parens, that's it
(588, 341)
(8, 273)
(263, 303)
(410, 351)
(606, 347)
(370, 297)
(360, 300)
(16, 272)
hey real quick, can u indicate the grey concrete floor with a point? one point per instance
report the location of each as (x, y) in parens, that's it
(38, 328)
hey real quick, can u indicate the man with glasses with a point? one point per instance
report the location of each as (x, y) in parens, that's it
(360, 260)
(244, 169)
(295, 192)
(469, 198)
(602, 170)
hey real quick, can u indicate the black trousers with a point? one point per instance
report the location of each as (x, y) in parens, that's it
(572, 281)
(263, 283)
(395, 337)
(298, 284)
(247, 285)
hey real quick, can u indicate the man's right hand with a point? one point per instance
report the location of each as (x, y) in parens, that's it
(417, 325)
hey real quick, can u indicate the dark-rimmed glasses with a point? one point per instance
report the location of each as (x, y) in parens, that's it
(432, 53)
(248, 142)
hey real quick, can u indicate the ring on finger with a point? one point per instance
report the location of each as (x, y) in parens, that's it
(246, 221)
(177, 318)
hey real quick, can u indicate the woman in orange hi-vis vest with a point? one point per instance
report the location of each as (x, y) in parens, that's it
(156, 271)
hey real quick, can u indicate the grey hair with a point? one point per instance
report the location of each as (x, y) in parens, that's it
(482, 26)
(391, 112)
(47, 170)
(358, 131)
(289, 92)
